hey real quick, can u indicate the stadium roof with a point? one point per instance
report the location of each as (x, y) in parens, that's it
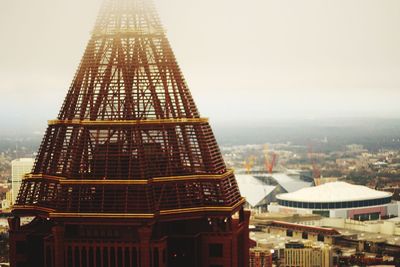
(253, 189)
(289, 183)
(334, 192)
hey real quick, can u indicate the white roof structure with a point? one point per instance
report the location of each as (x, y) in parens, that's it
(290, 184)
(253, 189)
(334, 192)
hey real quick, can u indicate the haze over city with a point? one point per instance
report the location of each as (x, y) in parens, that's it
(294, 159)
(243, 60)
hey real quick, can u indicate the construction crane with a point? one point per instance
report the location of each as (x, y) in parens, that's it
(273, 162)
(315, 170)
(269, 165)
(249, 163)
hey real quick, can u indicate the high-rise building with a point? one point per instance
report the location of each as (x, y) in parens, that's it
(19, 167)
(296, 254)
(129, 174)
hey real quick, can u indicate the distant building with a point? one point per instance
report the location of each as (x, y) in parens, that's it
(262, 189)
(260, 257)
(388, 230)
(296, 254)
(291, 181)
(338, 200)
(395, 190)
(355, 148)
(6, 203)
(19, 168)
(325, 180)
(302, 232)
(258, 194)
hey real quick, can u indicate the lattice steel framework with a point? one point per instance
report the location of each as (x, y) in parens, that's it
(129, 145)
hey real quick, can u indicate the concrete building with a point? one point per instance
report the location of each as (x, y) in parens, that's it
(301, 232)
(297, 254)
(338, 200)
(260, 257)
(19, 168)
(6, 203)
(385, 227)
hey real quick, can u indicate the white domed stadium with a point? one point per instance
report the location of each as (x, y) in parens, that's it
(337, 199)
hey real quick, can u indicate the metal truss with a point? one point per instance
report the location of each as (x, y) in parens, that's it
(129, 154)
(128, 116)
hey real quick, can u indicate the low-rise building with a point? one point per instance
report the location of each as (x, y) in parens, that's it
(260, 257)
(298, 254)
(338, 200)
(302, 232)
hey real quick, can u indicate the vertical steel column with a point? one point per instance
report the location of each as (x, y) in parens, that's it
(145, 236)
(14, 224)
(58, 235)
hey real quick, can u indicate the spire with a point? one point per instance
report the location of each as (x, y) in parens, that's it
(128, 71)
(128, 16)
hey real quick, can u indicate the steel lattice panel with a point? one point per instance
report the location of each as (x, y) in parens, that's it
(131, 198)
(117, 152)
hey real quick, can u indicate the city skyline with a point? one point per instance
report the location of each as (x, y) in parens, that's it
(274, 142)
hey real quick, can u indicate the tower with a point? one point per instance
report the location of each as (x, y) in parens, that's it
(129, 174)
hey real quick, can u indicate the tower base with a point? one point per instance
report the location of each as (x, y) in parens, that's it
(197, 242)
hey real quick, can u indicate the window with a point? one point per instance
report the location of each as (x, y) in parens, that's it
(321, 238)
(77, 256)
(304, 235)
(289, 232)
(105, 257)
(323, 213)
(156, 258)
(215, 250)
(367, 216)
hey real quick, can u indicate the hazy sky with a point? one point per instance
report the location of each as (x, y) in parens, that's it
(242, 59)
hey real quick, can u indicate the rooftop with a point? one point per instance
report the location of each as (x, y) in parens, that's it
(289, 182)
(253, 189)
(334, 192)
(24, 160)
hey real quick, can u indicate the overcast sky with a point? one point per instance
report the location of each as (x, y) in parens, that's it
(248, 59)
